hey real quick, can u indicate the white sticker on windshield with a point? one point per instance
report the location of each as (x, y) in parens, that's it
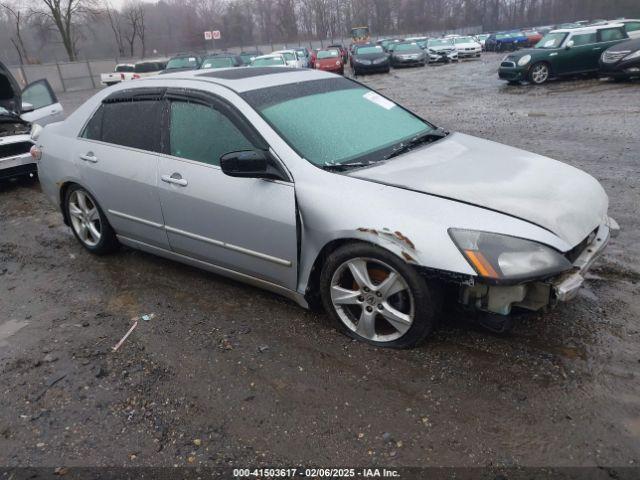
(549, 43)
(192, 59)
(379, 100)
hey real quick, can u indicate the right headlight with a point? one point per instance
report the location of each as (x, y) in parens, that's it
(502, 257)
(380, 60)
(524, 60)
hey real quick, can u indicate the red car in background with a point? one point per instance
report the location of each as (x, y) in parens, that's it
(533, 37)
(329, 60)
(343, 52)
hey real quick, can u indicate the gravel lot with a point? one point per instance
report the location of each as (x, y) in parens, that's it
(226, 374)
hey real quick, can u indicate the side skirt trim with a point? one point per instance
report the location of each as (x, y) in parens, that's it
(241, 277)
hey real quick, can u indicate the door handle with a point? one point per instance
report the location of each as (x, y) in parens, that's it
(175, 178)
(89, 157)
(597, 48)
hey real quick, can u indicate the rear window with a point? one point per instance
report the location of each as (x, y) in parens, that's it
(124, 68)
(147, 67)
(134, 124)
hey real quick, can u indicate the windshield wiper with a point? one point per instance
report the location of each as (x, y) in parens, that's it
(426, 137)
(341, 167)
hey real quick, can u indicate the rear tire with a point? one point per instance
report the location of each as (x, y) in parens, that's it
(88, 222)
(375, 297)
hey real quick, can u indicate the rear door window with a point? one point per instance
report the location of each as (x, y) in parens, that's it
(129, 123)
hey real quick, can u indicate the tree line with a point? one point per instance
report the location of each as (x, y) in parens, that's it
(35, 31)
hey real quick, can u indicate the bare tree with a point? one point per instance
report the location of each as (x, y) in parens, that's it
(132, 14)
(65, 16)
(17, 17)
(115, 22)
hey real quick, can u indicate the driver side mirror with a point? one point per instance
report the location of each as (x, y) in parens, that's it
(27, 107)
(250, 164)
(570, 44)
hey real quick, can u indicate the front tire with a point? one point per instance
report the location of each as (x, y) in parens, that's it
(376, 297)
(88, 222)
(539, 73)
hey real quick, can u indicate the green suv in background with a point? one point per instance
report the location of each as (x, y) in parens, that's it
(561, 52)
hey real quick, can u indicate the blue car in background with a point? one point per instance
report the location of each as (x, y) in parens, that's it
(505, 41)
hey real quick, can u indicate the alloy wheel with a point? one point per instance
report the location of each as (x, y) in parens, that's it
(85, 218)
(372, 299)
(539, 73)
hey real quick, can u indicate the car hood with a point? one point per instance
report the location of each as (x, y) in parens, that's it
(441, 48)
(551, 194)
(10, 93)
(631, 45)
(369, 56)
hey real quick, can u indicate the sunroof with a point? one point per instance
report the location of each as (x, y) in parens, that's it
(240, 73)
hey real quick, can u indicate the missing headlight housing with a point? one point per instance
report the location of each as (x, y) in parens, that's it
(498, 257)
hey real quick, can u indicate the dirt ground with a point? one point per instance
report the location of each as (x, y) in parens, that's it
(226, 374)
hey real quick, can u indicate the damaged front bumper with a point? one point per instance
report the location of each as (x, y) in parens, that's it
(536, 295)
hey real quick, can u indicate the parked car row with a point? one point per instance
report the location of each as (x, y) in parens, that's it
(603, 49)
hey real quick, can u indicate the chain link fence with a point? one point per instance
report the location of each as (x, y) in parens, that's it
(85, 75)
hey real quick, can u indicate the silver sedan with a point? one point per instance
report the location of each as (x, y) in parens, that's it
(315, 187)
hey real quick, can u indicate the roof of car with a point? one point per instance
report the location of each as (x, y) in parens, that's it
(244, 79)
(587, 29)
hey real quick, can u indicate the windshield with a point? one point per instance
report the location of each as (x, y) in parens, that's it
(182, 62)
(336, 121)
(370, 49)
(463, 40)
(439, 42)
(267, 62)
(124, 68)
(328, 54)
(406, 47)
(551, 40)
(219, 62)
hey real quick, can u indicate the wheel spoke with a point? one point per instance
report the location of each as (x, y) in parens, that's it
(400, 321)
(366, 325)
(391, 285)
(93, 231)
(74, 210)
(82, 201)
(92, 214)
(83, 232)
(358, 268)
(344, 296)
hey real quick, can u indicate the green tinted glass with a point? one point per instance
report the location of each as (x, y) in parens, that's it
(341, 125)
(200, 133)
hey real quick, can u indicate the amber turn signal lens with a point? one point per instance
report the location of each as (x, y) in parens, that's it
(481, 264)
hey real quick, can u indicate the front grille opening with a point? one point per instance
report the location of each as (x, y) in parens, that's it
(13, 149)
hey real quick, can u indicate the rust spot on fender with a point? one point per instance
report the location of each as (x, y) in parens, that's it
(368, 230)
(406, 240)
(408, 257)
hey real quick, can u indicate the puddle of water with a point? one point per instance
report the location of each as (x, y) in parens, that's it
(9, 328)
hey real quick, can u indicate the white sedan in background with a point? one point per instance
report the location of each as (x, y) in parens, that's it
(467, 47)
(292, 58)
